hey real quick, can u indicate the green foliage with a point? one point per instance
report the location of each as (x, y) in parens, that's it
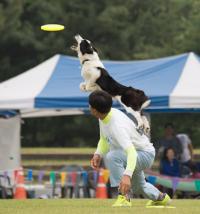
(65, 131)
(139, 29)
(120, 29)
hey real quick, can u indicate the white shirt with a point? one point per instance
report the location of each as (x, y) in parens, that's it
(185, 141)
(121, 133)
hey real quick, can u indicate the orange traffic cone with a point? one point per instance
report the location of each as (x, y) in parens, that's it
(101, 190)
(20, 192)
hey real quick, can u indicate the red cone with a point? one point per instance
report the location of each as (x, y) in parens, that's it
(20, 191)
(101, 190)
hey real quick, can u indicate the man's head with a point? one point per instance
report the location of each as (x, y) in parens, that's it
(169, 129)
(100, 103)
(169, 154)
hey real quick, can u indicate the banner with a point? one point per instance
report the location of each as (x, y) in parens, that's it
(85, 178)
(176, 183)
(40, 176)
(63, 176)
(151, 179)
(52, 178)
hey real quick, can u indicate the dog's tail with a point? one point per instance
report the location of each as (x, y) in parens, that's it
(128, 109)
(145, 104)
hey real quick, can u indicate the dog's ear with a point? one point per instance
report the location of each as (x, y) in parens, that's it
(94, 49)
(85, 47)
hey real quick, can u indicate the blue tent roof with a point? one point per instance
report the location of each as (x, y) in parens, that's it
(148, 75)
(170, 82)
(7, 114)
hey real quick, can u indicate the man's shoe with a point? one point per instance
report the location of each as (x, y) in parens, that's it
(122, 201)
(166, 200)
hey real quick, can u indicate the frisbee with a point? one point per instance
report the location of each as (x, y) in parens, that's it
(52, 27)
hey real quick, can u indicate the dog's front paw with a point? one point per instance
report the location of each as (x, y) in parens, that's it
(93, 87)
(82, 86)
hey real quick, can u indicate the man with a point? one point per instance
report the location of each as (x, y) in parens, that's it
(170, 140)
(187, 149)
(127, 152)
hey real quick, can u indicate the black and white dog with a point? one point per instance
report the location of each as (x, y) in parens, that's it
(97, 78)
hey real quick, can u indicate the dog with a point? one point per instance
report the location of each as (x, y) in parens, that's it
(97, 78)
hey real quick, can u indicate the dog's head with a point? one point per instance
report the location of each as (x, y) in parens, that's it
(83, 47)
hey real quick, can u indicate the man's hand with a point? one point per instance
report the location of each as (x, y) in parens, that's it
(125, 184)
(95, 161)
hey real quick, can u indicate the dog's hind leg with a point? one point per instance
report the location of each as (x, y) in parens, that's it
(146, 125)
(136, 114)
(143, 125)
(144, 118)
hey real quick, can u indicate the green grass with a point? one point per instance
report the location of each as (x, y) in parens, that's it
(197, 151)
(70, 150)
(41, 150)
(67, 151)
(56, 151)
(91, 206)
(40, 163)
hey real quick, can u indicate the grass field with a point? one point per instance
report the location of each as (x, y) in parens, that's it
(57, 163)
(66, 150)
(91, 206)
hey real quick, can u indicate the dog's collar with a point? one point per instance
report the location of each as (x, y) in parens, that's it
(85, 60)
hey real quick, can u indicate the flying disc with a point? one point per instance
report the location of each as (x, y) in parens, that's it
(52, 27)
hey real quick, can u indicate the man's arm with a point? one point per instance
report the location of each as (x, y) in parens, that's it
(102, 149)
(122, 137)
(131, 160)
(124, 140)
(125, 183)
(190, 147)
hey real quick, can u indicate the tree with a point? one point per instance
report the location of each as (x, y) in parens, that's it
(121, 30)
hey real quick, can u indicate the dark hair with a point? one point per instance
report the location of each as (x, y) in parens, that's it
(101, 101)
(169, 125)
(165, 152)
